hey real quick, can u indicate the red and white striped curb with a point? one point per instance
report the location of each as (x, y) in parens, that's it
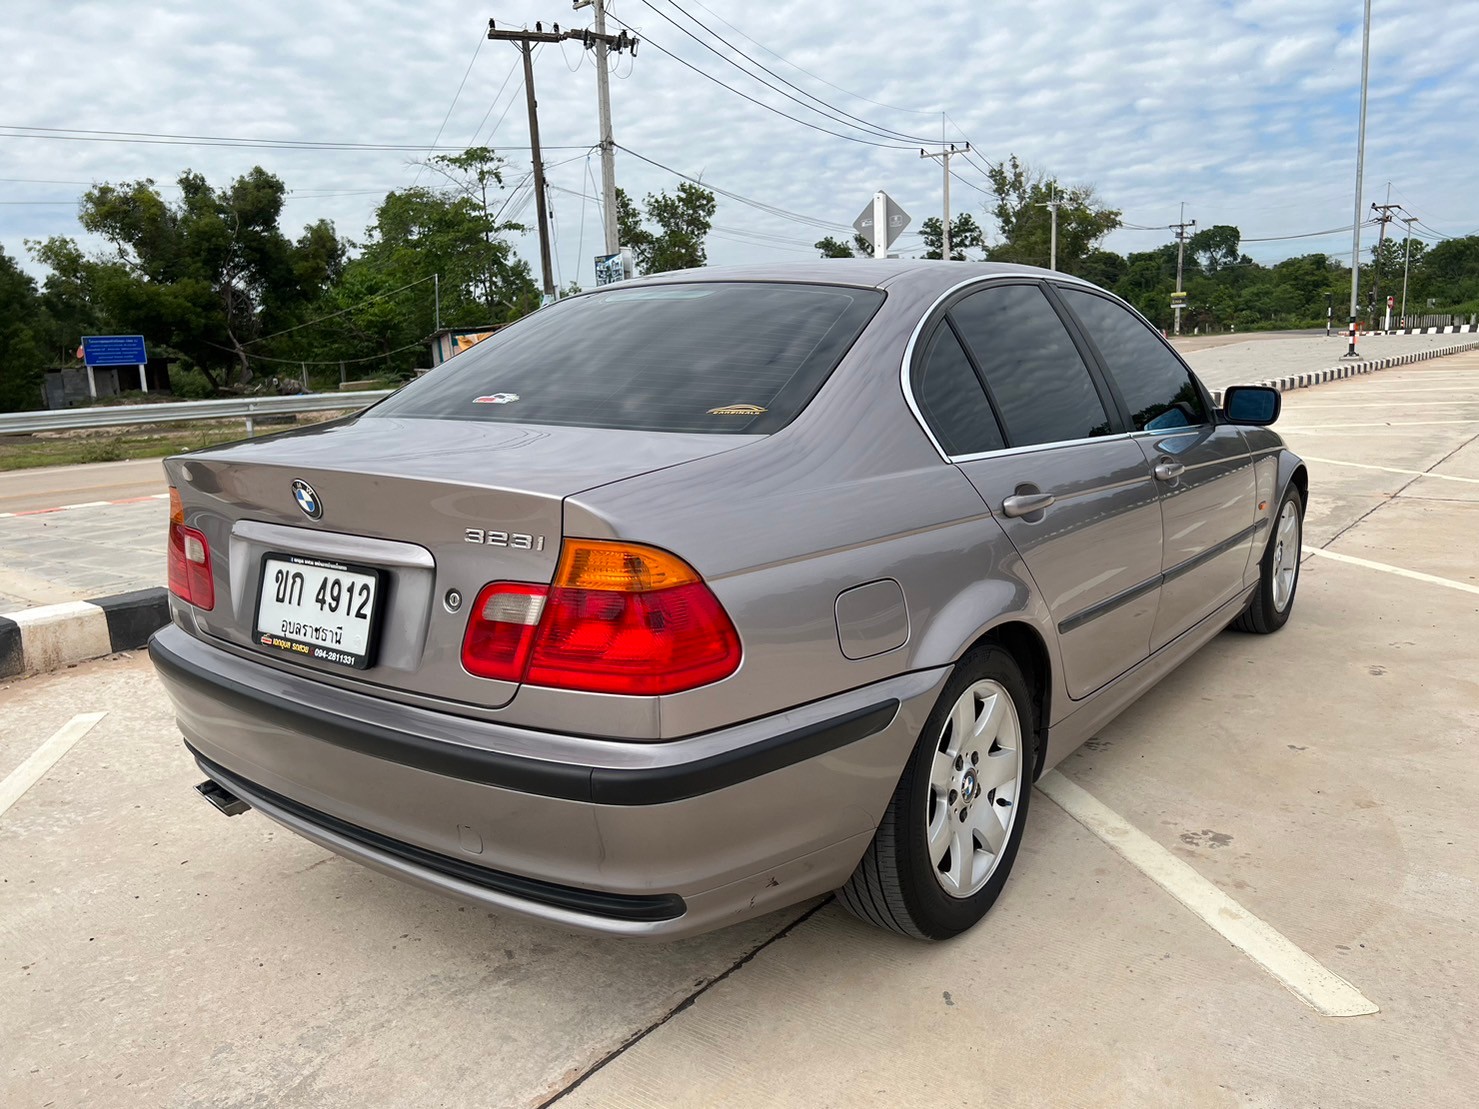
(85, 504)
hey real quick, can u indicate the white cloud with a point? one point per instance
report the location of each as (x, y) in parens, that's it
(1245, 110)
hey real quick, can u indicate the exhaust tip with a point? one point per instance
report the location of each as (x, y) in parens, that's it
(222, 798)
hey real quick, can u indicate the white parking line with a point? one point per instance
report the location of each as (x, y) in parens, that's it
(28, 773)
(1388, 469)
(1316, 985)
(1415, 575)
(1341, 429)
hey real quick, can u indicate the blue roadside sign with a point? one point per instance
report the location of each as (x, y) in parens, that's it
(113, 350)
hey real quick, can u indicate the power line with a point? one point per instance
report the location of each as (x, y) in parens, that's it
(758, 205)
(494, 103)
(746, 96)
(342, 311)
(809, 73)
(455, 97)
(157, 138)
(837, 113)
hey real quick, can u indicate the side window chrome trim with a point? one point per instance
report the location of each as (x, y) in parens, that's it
(1033, 448)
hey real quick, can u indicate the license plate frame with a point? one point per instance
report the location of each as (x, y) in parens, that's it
(304, 650)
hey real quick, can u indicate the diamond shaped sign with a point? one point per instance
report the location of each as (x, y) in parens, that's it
(898, 219)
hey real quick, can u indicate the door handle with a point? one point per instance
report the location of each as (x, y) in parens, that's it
(1026, 504)
(1168, 471)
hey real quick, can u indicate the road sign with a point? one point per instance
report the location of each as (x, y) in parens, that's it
(897, 218)
(113, 350)
(1178, 296)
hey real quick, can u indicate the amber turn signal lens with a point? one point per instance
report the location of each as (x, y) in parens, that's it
(620, 568)
(176, 509)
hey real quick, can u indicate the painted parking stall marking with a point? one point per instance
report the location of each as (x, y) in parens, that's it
(28, 773)
(1311, 981)
(1389, 469)
(1415, 575)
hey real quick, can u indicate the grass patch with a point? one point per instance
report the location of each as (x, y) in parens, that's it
(25, 452)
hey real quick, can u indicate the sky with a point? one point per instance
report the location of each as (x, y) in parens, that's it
(1245, 111)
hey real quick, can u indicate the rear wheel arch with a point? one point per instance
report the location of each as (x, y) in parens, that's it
(1026, 646)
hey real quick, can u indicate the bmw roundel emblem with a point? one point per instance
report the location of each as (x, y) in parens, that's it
(307, 499)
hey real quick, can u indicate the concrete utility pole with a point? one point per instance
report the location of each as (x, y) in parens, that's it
(1406, 261)
(1053, 206)
(525, 40)
(1384, 217)
(1360, 166)
(1180, 229)
(944, 156)
(608, 144)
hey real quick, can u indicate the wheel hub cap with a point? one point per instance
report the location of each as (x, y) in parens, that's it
(974, 785)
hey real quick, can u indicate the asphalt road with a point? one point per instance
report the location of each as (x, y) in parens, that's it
(154, 953)
(53, 486)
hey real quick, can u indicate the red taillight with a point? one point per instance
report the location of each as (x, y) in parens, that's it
(189, 560)
(618, 618)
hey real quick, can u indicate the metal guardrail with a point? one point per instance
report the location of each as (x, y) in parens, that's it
(238, 408)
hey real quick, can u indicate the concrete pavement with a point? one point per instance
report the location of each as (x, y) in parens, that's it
(154, 953)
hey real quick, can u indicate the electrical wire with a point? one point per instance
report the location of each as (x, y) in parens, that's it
(758, 205)
(746, 96)
(155, 138)
(809, 73)
(341, 312)
(331, 362)
(494, 103)
(455, 97)
(832, 112)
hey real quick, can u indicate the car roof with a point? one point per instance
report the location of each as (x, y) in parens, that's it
(918, 275)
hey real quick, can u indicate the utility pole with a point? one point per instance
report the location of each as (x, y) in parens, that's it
(944, 156)
(608, 144)
(1384, 216)
(525, 41)
(1406, 261)
(1053, 206)
(1360, 166)
(1180, 229)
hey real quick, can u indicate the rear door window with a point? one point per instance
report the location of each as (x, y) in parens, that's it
(951, 399)
(708, 357)
(1038, 381)
(1158, 390)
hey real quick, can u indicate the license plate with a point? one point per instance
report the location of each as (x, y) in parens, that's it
(316, 609)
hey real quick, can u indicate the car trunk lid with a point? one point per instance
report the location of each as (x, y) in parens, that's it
(434, 509)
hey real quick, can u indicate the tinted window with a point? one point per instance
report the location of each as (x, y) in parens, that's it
(1157, 389)
(952, 400)
(1040, 384)
(718, 357)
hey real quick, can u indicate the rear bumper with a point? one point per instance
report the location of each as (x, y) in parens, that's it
(617, 837)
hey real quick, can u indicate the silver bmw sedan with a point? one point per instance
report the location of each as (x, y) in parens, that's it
(699, 595)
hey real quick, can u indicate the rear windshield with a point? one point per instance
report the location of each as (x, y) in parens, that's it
(729, 358)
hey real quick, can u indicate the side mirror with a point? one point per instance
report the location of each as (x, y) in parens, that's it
(1252, 405)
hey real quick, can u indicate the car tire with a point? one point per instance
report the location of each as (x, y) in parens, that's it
(1278, 571)
(954, 791)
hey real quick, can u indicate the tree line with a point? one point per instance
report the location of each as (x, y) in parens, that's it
(214, 283)
(1225, 288)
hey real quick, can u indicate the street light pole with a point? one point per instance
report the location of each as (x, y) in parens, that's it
(1360, 168)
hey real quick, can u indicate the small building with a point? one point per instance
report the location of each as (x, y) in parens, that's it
(69, 387)
(450, 341)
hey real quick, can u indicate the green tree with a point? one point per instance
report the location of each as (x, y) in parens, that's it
(836, 248)
(1214, 247)
(965, 234)
(683, 221)
(1025, 224)
(22, 355)
(207, 275)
